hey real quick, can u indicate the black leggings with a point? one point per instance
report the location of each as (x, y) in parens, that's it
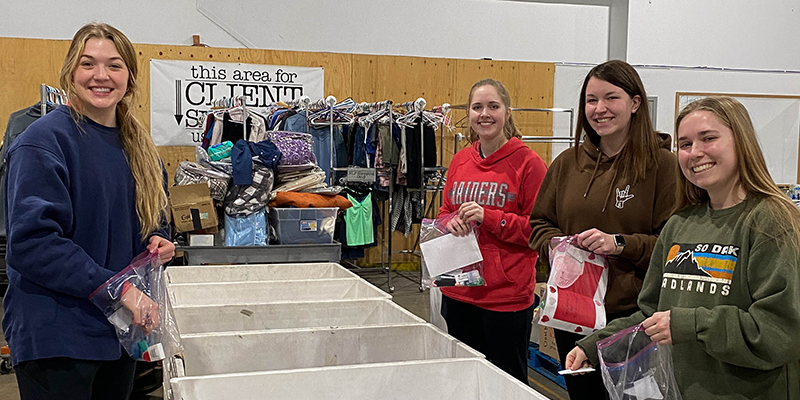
(502, 337)
(68, 378)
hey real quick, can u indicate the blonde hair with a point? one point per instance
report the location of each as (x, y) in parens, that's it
(754, 175)
(151, 200)
(641, 146)
(510, 128)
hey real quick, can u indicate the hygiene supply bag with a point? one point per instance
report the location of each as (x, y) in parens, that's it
(574, 300)
(636, 368)
(135, 301)
(449, 260)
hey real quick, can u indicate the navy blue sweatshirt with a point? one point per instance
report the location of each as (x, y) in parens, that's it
(72, 224)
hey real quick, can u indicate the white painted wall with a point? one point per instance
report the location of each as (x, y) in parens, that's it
(143, 21)
(721, 33)
(469, 29)
(729, 33)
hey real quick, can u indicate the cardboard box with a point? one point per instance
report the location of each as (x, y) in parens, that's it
(192, 207)
(547, 338)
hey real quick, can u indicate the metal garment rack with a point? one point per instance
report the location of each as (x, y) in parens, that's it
(50, 95)
(419, 105)
(386, 262)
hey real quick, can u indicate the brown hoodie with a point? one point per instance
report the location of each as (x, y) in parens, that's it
(572, 200)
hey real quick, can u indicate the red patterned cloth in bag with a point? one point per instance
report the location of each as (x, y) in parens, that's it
(575, 297)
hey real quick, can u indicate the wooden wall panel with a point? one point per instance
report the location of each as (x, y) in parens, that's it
(26, 63)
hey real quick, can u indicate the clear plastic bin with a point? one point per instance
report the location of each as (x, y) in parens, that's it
(303, 225)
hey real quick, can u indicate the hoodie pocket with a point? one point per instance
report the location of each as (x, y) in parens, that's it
(493, 269)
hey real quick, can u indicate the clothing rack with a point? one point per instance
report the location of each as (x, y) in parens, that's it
(530, 139)
(418, 106)
(51, 95)
(229, 103)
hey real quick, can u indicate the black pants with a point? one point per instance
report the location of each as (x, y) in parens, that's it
(501, 336)
(590, 385)
(67, 378)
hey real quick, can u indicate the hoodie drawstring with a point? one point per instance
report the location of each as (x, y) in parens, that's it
(596, 165)
(611, 186)
(594, 175)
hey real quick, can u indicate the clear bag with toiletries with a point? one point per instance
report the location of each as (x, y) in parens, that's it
(135, 301)
(449, 260)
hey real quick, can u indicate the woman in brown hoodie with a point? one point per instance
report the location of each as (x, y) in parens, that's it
(615, 190)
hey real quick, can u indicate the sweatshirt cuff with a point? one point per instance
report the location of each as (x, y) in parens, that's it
(589, 347)
(492, 219)
(682, 325)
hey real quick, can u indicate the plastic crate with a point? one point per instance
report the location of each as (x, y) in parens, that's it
(303, 225)
(545, 365)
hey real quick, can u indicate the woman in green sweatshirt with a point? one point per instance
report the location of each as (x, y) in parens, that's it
(723, 286)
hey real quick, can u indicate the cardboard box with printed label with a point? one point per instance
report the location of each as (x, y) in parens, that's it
(192, 207)
(547, 338)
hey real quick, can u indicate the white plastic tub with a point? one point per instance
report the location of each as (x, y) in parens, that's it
(208, 354)
(288, 315)
(228, 293)
(453, 379)
(256, 272)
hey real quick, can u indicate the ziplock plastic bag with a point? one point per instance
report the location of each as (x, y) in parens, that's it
(574, 300)
(466, 262)
(634, 367)
(141, 285)
(246, 231)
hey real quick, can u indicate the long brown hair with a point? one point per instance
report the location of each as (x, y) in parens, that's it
(151, 201)
(510, 128)
(753, 172)
(641, 147)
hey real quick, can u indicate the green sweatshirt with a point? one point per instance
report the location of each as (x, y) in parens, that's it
(734, 297)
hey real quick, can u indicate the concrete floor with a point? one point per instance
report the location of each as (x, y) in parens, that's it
(406, 294)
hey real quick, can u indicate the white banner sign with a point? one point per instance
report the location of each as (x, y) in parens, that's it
(181, 93)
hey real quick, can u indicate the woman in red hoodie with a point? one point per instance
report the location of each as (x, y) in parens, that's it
(494, 184)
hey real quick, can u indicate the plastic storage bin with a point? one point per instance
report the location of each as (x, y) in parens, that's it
(227, 293)
(280, 349)
(290, 315)
(303, 225)
(257, 272)
(463, 379)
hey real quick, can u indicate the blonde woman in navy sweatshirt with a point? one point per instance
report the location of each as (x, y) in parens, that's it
(494, 184)
(85, 195)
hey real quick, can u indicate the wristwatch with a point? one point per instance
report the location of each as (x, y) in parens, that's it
(619, 241)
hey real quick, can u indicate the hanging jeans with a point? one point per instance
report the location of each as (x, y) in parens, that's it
(322, 143)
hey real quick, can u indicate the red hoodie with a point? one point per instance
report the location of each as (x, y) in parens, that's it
(505, 184)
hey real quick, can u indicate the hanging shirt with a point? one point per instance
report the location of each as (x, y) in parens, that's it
(359, 221)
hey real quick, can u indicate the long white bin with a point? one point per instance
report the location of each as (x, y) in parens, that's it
(454, 379)
(227, 293)
(288, 315)
(256, 272)
(208, 354)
